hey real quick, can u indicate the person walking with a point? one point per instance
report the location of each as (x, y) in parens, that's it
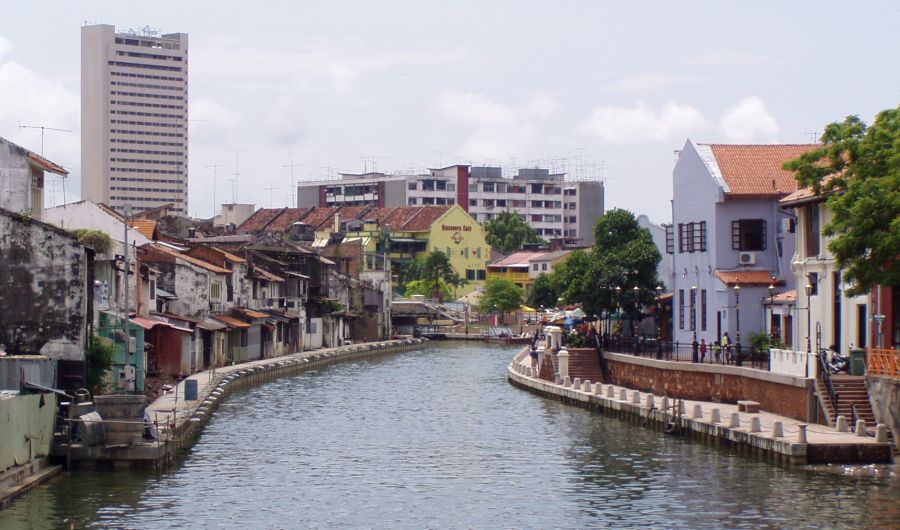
(726, 345)
(717, 352)
(702, 350)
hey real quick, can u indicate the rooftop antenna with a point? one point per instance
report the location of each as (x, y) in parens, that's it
(214, 166)
(813, 136)
(292, 165)
(440, 155)
(270, 190)
(365, 160)
(42, 128)
(234, 181)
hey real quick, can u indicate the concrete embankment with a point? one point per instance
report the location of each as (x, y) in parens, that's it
(179, 421)
(778, 438)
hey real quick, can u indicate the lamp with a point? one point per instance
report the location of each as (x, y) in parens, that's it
(694, 354)
(809, 291)
(658, 323)
(737, 311)
(771, 312)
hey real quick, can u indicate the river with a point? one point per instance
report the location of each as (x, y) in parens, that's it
(437, 438)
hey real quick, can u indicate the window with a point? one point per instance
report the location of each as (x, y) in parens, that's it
(748, 234)
(699, 230)
(215, 291)
(411, 201)
(693, 309)
(534, 266)
(543, 266)
(451, 187)
(501, 202)
(680, 308)
(487, 186)
(470, 274)
(812, 230)
(312, 327)
(670, 239)
(473, 202)
(703, 310)
(412, 185)
(482, 274)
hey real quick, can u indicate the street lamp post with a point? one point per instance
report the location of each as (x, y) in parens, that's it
(737, 314)
(658, 323)
(771, 313)
(618, 304)
(809, 290)
(637, 314)
(694, 346)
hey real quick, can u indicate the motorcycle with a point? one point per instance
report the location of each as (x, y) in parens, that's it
(838, 363)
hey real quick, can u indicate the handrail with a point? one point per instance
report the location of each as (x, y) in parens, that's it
(854, 414)
(883, 361)
(825, 372)
(604, 368)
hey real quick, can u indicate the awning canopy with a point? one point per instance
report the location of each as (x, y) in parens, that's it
(211, 325)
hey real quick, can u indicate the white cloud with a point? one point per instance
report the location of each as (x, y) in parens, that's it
(497, 130)
(622, 125)
(749, 121)
(727, 58)
(211, 121)
(5, 45)
(646, 82)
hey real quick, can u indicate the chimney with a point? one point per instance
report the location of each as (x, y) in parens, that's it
(337, 222)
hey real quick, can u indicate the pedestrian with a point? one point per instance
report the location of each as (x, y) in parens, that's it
(702, 350)
(726, 345)
(534, 357)
(717, 352)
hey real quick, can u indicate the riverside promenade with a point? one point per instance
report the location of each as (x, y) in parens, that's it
(777, 438)
(178, 421)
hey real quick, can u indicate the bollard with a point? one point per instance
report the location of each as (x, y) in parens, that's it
(735, 421)
(716, 416)
(881, 433)
(801, 433)
(563, 358)
(598, 389)
(623, 395)
(610, 391)
(649, 404)
(861, 428)
(840, 424)
(754, 424)
(586, 386)
(636, 398)
(528, 372)
(698, 411)
(567, 382)
(777, 430)
(576, 383)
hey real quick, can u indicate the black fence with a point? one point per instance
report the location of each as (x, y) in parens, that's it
(687, 351)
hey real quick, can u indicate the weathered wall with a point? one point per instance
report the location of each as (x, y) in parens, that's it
(884, 395)
(15, 179)
(777, 393)
(44, 289)
(189, 283)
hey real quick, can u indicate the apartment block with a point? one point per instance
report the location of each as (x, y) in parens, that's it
(557, 207)
(134, 116)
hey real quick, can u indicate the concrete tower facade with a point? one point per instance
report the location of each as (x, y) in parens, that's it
(134, 115)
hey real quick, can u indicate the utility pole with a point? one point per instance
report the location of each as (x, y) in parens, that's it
(214, 167)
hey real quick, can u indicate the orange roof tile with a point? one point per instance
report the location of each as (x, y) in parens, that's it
(190, 259)
(748, 277)
(47, 165)
(756, 170)
(259, 220)
(229, 256)
(231, 321)
(146, 227)
(284, 220)
(250, 312)
(266, 275)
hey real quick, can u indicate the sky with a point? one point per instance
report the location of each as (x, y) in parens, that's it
(596, 89)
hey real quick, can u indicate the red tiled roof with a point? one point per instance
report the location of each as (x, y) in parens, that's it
(319, 216)
(190, 259)
(259, 220)
(787, 296)
(146, 227)
(288, 216)
(747, 277)
(47, 165)
(755, 170)
(266, 275)
(250, 312)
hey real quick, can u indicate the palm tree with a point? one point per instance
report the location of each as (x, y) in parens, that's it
(437, 267)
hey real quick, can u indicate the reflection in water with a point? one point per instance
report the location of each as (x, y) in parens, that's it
(438, 438)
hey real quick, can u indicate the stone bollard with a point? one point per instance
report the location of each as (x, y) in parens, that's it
(716, 416)
(610, 391)
(586, 386)
(881, 433)
(735, 421)
(840, 424)
(801, 433)
(623, 395)
(777, 430)
(577, 383)
(528, 371)
(754, 424)
(636, 398)
(665, 404)
(598, 389)
(566, 381)
(698, 411)
(649, 404)
(861, 428)
(563, 357)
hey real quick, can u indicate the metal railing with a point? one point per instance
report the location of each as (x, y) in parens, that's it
(883, 361)
(825, 376)
(684, 351)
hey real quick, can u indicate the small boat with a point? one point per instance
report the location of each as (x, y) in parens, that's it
(505, 336)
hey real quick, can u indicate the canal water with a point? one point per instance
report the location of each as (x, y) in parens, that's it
(438, 438)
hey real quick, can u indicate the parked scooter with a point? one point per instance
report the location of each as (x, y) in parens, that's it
(836, 362)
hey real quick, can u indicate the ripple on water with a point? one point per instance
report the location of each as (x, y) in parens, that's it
(437, 439)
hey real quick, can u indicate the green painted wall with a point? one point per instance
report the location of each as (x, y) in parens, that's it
(23, 417)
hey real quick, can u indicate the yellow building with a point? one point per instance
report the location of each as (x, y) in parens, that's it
(515, 268)
(407, 233)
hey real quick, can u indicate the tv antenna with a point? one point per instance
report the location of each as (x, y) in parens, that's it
(292, 165)
(234, 181)
(214, 167)
(270, 190)
(42, 128)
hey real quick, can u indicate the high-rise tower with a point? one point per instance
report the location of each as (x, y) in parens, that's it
(134, 114)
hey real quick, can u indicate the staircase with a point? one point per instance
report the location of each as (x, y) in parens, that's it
(851, 390)
(583, 363)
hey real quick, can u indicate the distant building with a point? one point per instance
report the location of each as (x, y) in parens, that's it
(233, 214)
(728, 232)
(22, 179)
(658, 232)
(559, 209)
(134, 114)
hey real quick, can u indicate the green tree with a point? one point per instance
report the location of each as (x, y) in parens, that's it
(428, 288)
(98, 360)
(858, 169)
(507, 232)
(437, 269)
(624, 257)
(501, 295)
(96, 239)
(543, 292)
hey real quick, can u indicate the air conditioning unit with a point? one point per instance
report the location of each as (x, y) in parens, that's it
(747, 258)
